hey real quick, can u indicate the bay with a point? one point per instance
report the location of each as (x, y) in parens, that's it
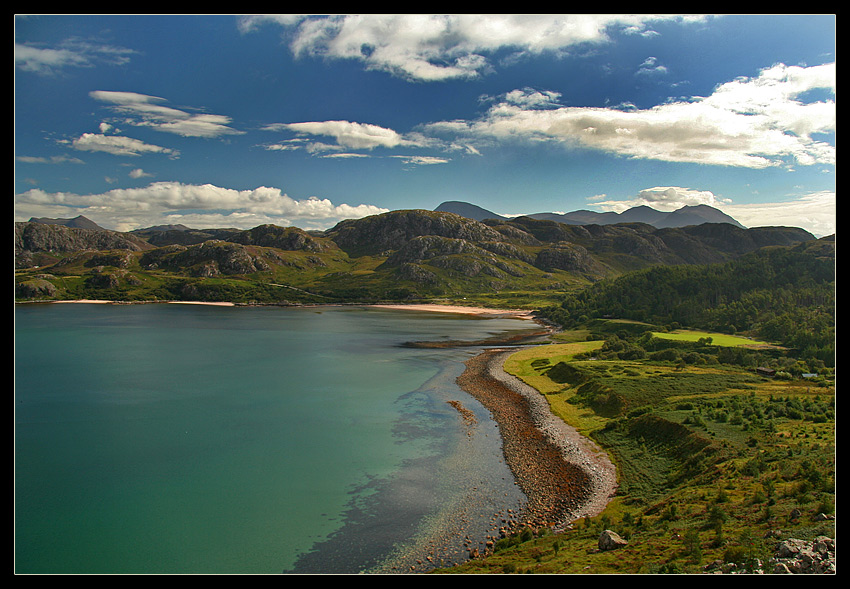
(222, 440)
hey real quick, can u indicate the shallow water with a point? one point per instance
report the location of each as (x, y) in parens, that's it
(200, 439)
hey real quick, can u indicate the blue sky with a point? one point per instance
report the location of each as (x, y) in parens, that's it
(232, 121)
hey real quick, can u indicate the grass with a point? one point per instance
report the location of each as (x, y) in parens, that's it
(717, 339)
(530, 366)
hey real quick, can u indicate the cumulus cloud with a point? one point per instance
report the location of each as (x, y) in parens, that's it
(194, 205)
(139, 173)
(433, 47)
(149, 111)
(755, 122)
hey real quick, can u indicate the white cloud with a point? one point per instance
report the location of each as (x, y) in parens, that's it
(815, 212)
(751, 122)
(118, 145)
(56, 159)
(663, 198)
(148, 111)
(650, 67)
(345, 155)
(71, 53)
(422, 160)
(348, 134)
(432, 47)
(194, 205)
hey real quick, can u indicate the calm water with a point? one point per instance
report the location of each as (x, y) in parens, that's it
(199, 439)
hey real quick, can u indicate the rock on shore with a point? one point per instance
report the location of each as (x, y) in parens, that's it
(563, 474)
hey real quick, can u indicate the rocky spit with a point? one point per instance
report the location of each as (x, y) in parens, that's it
(564, 475)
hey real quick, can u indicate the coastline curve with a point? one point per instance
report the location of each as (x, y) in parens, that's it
(564, 474)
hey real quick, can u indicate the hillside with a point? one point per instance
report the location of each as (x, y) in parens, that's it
(720, 468)
(399, 255)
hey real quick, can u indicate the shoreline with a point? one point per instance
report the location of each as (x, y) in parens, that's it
(460, 309)
(427, 307)
(564, 475)
(109, 302)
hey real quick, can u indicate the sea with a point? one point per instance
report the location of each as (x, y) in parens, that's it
(198, 439)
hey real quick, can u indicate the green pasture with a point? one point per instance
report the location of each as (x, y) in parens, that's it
(717, 339)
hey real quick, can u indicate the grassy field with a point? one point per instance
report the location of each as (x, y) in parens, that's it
(717, 339)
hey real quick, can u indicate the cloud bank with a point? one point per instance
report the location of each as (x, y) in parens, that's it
(197, 206)
(434, 47)
(755, 122)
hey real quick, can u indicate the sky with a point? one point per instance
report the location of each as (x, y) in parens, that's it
(236, 121)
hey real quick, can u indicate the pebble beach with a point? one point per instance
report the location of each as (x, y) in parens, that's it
(564, 475)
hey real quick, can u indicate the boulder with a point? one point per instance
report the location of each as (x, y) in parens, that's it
(609, 540)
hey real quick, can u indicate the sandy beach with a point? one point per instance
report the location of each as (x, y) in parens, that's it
(564, 475)
(483, 311)
(108, 302)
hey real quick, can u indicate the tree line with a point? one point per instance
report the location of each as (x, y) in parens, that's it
(784, 295)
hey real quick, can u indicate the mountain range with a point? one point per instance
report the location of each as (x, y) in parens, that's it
(399, 255)
(687, 215)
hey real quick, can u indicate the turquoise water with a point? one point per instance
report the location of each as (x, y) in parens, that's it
(200, 439)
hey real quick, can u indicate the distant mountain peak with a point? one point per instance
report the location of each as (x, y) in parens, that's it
(683, 217)
(468, 210)
(78, 222)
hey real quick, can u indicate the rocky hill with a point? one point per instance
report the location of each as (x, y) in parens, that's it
(80, 222)
(409, 253)
(36, 237)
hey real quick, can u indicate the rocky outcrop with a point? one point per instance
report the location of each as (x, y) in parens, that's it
(429, 247)
(207, 259)
(569, 257)
(791, 556)
(390, 231)
(36, 288)
(33, 238)
(804, 557)
(285, 238)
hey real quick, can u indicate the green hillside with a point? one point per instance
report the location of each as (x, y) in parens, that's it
(397, 256)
